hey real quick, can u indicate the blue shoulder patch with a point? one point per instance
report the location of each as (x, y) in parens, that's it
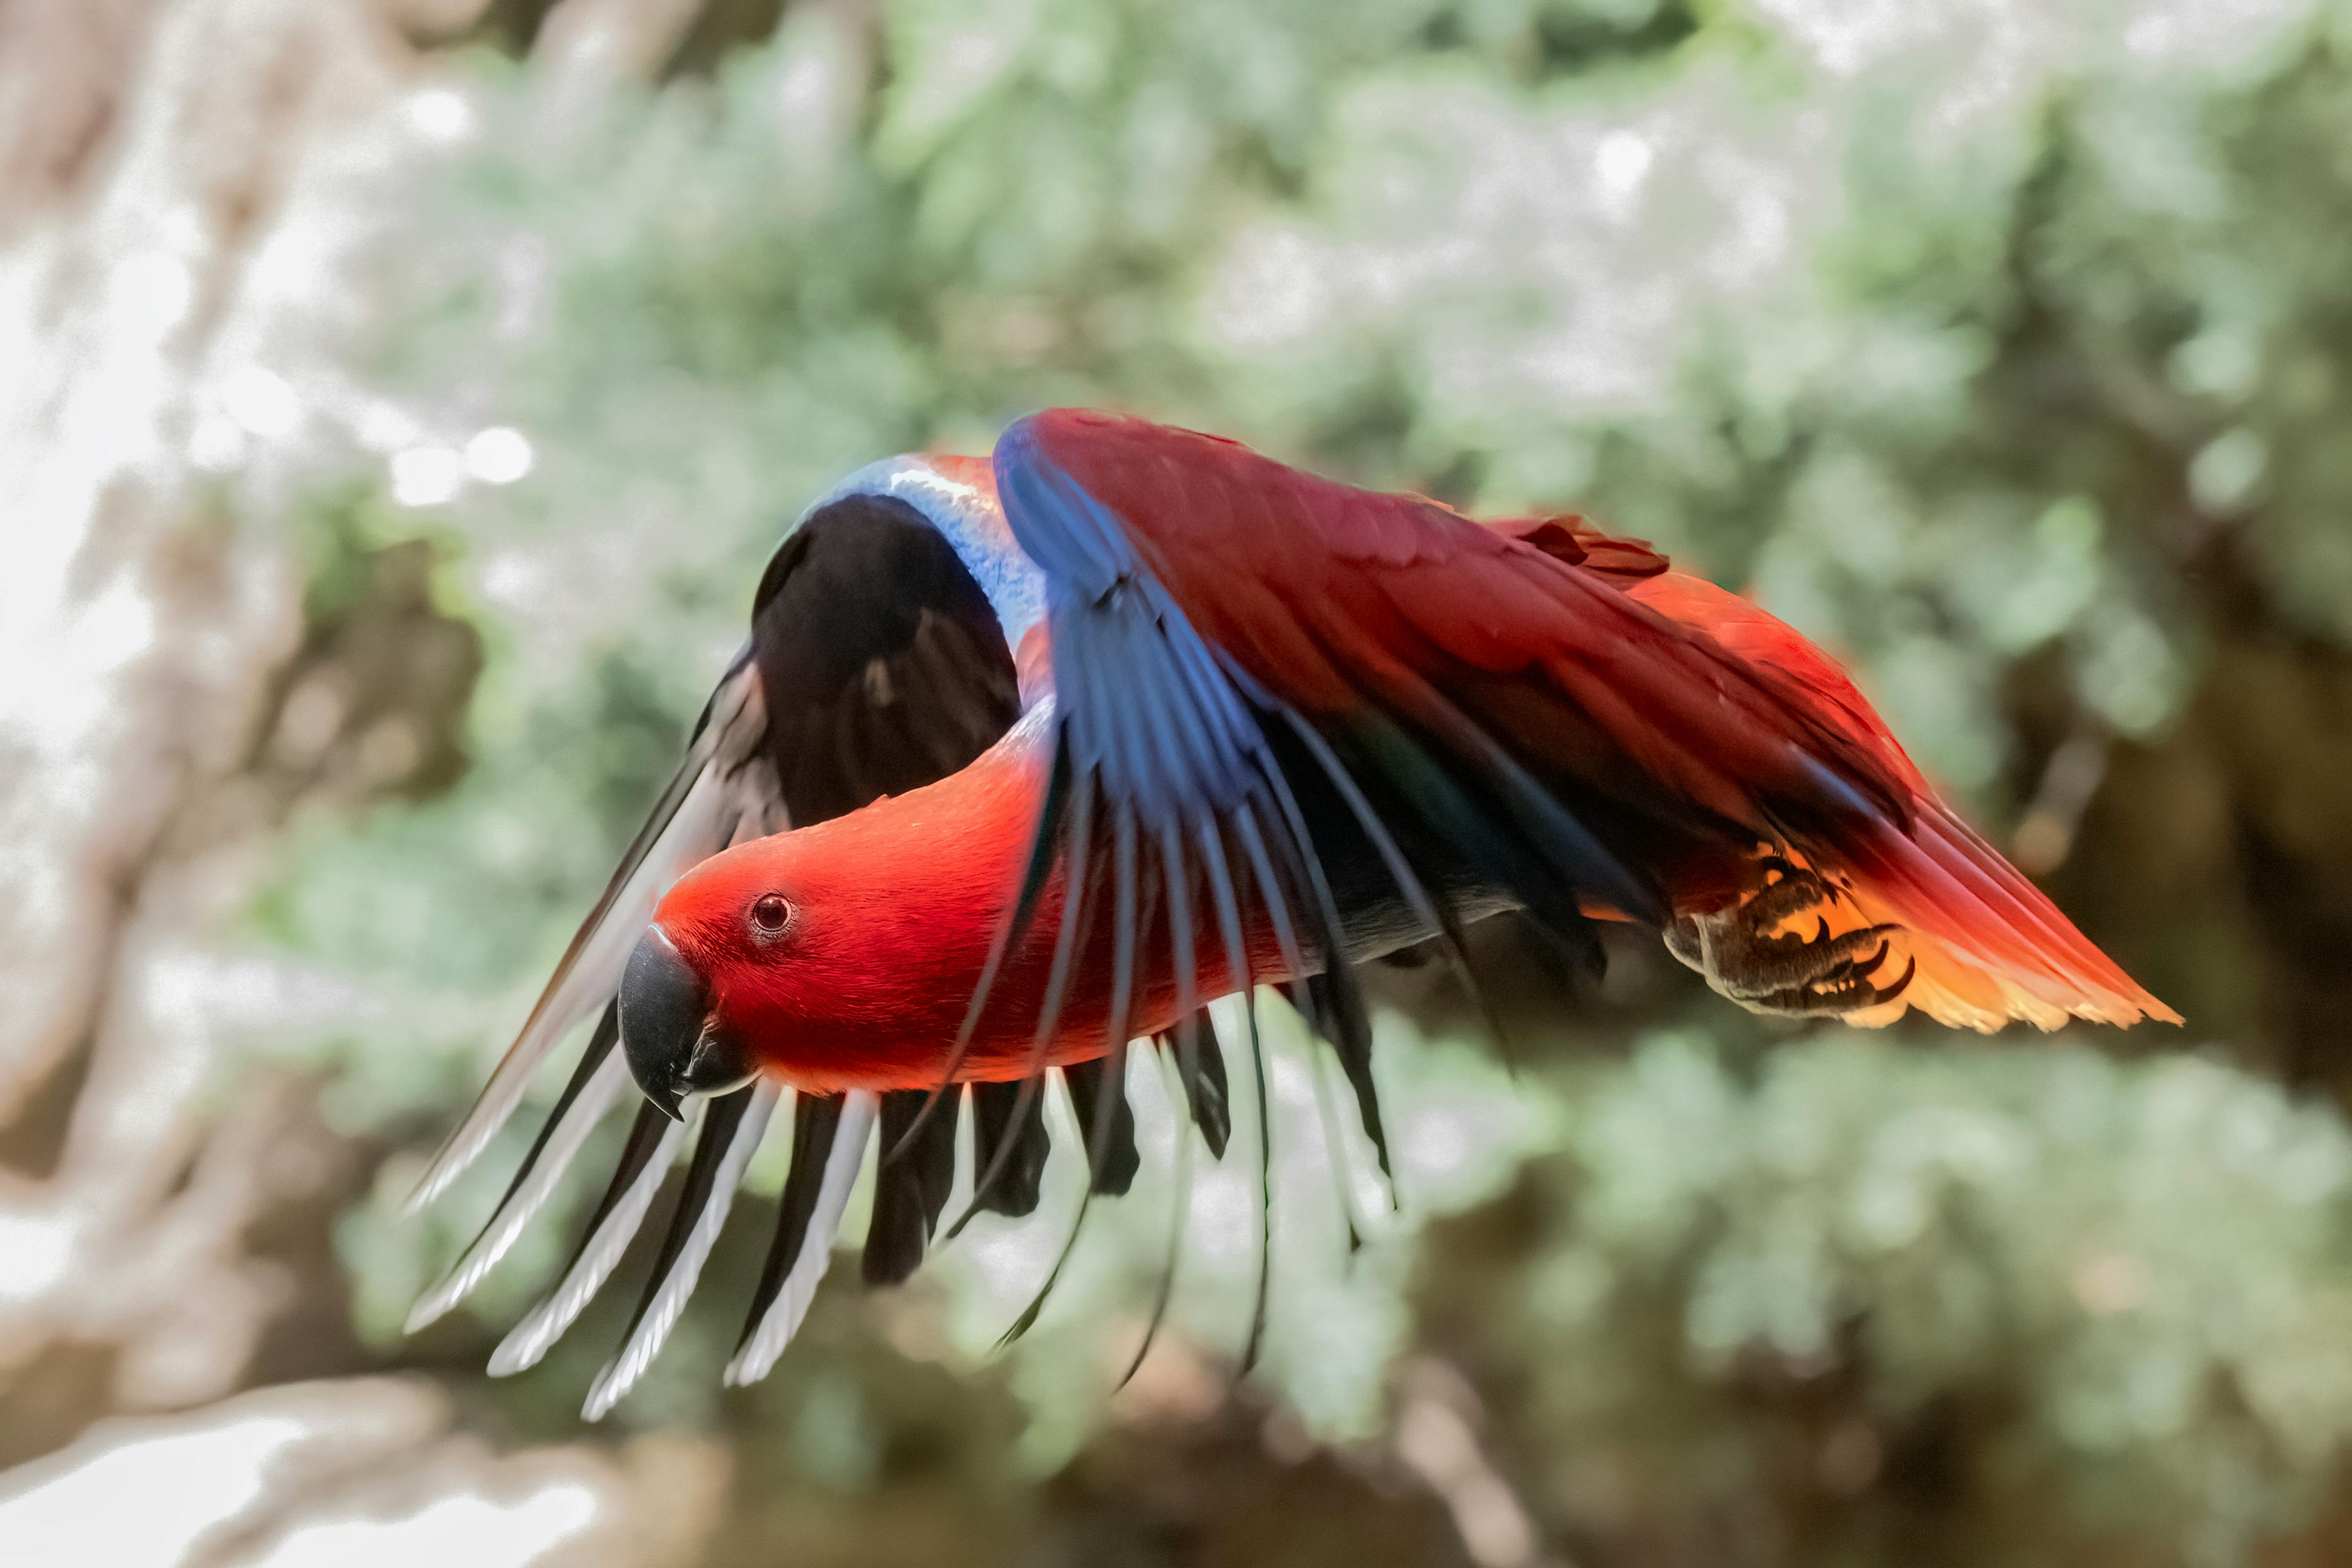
(1145, 701)
(1014, 586)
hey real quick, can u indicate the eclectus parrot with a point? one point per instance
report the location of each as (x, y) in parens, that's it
(1028, 758)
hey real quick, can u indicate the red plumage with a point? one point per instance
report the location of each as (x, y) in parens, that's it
(1209, 723)
(1990, 946)
(1589, 667)
(1693, 726)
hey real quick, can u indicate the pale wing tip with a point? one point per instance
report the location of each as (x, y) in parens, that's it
(666, 1306)
(430, 1309)
(499, 1100)
(603, 1394)
(757, 1357)
(516, 1352)
(759, 1354)
(620, 1374)
(436, 1181)
(459, 1283)
(528, 1343)
(748, 1365)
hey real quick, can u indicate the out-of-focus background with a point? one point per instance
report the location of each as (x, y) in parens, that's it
(399, 397)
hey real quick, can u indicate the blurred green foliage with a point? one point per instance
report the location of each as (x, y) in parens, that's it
(2113, 1296)
(2002, 347)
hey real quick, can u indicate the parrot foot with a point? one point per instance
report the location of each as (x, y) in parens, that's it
(1744, 955)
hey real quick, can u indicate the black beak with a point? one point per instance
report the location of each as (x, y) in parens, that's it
(666, 1033)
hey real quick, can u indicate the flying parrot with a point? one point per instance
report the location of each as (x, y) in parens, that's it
(1028, 758)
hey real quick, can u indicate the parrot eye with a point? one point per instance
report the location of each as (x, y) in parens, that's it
(768, 916)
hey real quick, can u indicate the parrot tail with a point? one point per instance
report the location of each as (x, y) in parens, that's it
(1916, 914)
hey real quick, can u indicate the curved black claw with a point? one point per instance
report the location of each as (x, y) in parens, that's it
(1851, 995)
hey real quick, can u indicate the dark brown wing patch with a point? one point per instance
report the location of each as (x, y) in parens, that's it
(882, 664)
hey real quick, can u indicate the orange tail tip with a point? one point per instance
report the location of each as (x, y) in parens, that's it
(1990, 946)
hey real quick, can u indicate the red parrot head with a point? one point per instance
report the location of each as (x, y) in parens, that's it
(835, 957)
(729, 916)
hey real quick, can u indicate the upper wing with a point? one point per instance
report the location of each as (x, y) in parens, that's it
(880, 659)
(1510, 701)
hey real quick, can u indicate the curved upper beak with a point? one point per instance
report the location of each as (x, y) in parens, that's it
(674, 1048)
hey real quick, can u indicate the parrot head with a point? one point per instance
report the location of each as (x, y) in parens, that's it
(751, 965)
(674, 1047)
(836, 956)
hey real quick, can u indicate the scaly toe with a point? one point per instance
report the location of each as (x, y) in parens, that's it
(1793, 894)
